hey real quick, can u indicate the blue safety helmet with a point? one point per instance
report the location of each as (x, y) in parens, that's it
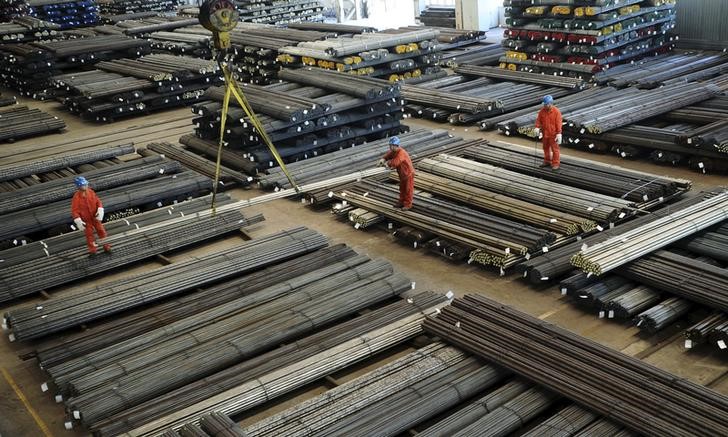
(548, 100)
(394, 141)
(80, 181)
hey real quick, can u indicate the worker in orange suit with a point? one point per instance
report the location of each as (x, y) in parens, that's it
(548, 122)
(88, 212)
(399, 159)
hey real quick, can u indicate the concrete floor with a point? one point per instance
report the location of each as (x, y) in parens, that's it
(25, 411)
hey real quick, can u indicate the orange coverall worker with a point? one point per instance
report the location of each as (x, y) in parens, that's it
(84, 205)
(549, 121)
(400, 159)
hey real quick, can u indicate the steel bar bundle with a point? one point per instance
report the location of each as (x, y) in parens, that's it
(689, 278)
(396, 54)
(15, 171)
(706, 330)
(605, 179)
(606, 428)
(124, 87)
(19, 122)
(566, 422)
(241, 330)
(662, 314)
(123, 294)
(480, 53)
(270, 375)
(519, 76)
(614, 252)
(66, 13)
(36, 250)
(713, 243)
(582, 38)
(419, 143)
(477, 409)
(550, 194)
(156, 315)
(199, 164)
(209, 149)
(279, 12)
(438, 16)
(127, 7)
(26, 28)
(451, 101)
(337, 28)
(141, 193)
(388, 400)
(10, 9)
(595, 376)
(557, 262)
(101, 179)
(504, 206)
(131, 246)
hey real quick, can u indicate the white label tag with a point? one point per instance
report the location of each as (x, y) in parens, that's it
(611, 314)
(545, 249)
(545, 278)
(721, 344)
(688, 344)
(601, 314)
(44, 387)
(413, 285)
(357, 226)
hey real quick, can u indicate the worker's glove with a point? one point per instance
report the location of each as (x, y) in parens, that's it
(558, 139)
(536, 132)
(382, 163)
(100, 214)
(79, 224)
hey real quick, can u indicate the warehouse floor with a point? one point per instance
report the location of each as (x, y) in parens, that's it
(26, 411)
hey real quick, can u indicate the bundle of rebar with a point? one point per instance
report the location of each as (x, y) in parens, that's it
(142, 193)
(19, 122)
(653, 72)
(134, 6)
(120, 295)
(595, 376)
(279, 12)
(26, 28)
(270, 375)
(707, 330)
(566, 422)
(395, 54)
(199, 164)
(605, 179)
(584, 39)
(66, 13)
(662, 314)
(712, 243)
(689, 278)
(10, 9)
(519, 76)
(390, 399)
(628, 246)
(558, 196)
(227, 335)
(101, 179)
(16, 171)
(480, 53)
(65, 266)
(504, 206)
(557, 262)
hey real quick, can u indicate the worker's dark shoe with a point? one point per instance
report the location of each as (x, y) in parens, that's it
(544, 165)
(557, 168)
(107, 248)
(91, 253)
(398, 205)
(406, 208)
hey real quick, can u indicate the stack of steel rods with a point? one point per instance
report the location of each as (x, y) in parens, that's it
(15, 171)
(52, 246)
(390, 399)
(682, 276)
(100, 179)
(713, 243)
(125, 7)
(557, 262)
(519, 76)
(480, 53)
(600, 178)
(566, 422)
(451, 101)
(504, 206)
(68, 265)
(66, 13)
(26, 28)
(123, 294)
(279, 12)
(209, 150)
(197, 163)
(157, 315)
(227, 335)
(270, 375)
(707, 330)
(19, 122)
(605, 428)
(614, 252)
(595, 376)
(662, 314)
(141, 193)
(553, 195)
(513, 236)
